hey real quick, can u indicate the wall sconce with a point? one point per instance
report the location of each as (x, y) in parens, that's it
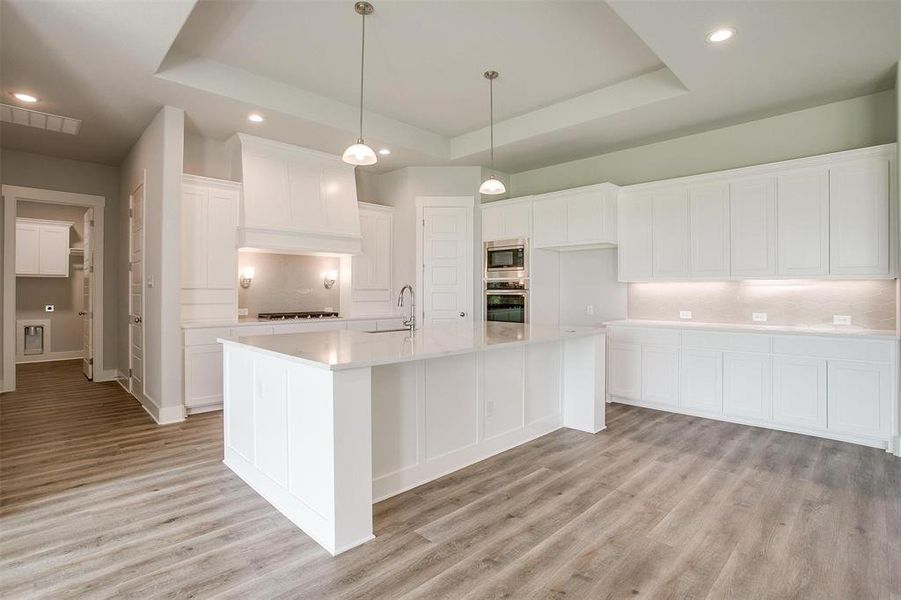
(329, 278)
(246, 277)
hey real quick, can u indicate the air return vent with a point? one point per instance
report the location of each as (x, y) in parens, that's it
(41, 120)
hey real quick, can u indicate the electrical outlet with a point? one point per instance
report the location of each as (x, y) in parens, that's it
(589, 309)
(685, 314)
(243, 312)
(841, 320)
(758, 317)
(49, 308)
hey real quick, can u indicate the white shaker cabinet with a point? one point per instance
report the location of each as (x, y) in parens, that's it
(634, 234)
(42, 248)
(669, 232)
(752, 218)
(799, 391)
(660, 375)
(802, 216)
(209, 252)
(747, 385)
(577, 218)
(859, 398)
(366, 287)
(859, 218)
(625, 371)
(507, 219)
(701, 380)
(708, 207)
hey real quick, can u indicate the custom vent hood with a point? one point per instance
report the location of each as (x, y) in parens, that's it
(295, 200)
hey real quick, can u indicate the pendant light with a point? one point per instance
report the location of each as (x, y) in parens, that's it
(360, 154)
(491, 186)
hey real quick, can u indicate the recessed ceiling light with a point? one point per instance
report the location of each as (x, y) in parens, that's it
(720, 35)
(254, 117)
(25, 97)
(384, 152)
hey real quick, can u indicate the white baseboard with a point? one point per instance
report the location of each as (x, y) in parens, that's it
(196, 410)
(106, 375)
(50, 357)
(161, 415)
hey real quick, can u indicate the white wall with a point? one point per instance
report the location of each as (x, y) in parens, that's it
(855, 123)
(158, 153)
(64, 175)
(206, 157)
(588, 277)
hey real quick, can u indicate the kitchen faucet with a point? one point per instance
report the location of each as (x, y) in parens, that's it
(411, 322)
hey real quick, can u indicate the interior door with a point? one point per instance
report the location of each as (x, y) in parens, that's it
(87, 311)
(136, 293)
(447, 264)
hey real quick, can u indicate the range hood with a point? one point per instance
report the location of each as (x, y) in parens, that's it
(294, 200)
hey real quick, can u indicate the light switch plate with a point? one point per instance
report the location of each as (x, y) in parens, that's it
(243, 312)
(758, 317)
(49, 308)
(684, 314)
(841, 320)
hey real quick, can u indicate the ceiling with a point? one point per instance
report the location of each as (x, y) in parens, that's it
(576, 78)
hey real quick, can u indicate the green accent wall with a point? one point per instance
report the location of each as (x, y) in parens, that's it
(855, 123)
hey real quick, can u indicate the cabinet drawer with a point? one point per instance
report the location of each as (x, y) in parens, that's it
(251, 330)
(641, 335)
(824, 347)
(200, 337)
(727, 341)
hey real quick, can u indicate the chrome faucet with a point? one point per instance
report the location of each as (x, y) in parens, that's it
(411, 322)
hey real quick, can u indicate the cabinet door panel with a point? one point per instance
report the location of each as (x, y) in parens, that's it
(670, 233)
(585, 217)
(625, 371)
(859, 218)
(550, 222)
(27, 250)
(203, 375)
(634, 235)
(799, 391)
(518, 220)
(709, 213)
(53, 251)
(194, 241)
(492, 223)
(222, 253)
(660, 375)
(701, 379)
(859, 398)
(752, 215)
(802, 216)
(746, 385)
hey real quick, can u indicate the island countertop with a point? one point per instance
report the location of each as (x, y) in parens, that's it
(346, 349)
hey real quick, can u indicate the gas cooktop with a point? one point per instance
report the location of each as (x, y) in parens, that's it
(312, 314)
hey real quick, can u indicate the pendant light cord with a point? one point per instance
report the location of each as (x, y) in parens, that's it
(491, 117)
(362, 62)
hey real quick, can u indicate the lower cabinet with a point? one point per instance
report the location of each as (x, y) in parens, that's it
(203, 376)
(660, 375)
(625, 371)
(859, 398)
(701, 380)
(799, 391)
(747, 382)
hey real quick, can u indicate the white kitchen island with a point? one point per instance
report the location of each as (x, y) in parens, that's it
(322, 424)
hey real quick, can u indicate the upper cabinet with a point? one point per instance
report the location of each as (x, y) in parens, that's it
(294, 199)
(577, 218)
(209, 248)
(831, 216)
(366, 287)
(506, 220)
(42, 248)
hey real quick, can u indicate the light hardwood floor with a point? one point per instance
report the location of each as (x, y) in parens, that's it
(99, 502)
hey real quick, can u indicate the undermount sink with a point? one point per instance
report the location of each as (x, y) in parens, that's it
(389, 330)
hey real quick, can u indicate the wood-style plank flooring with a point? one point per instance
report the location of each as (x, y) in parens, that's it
(99, 502)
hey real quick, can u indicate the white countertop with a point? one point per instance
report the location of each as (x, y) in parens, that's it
(345, 349)
(247, 321)
(843, 331)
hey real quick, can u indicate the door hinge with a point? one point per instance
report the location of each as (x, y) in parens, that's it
(90, 361)
(423, 223)
(91, 223)
(91, 269)
(131, 372)
(131, 212)
(130, 266)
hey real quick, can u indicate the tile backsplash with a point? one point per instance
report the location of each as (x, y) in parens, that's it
(287, 283)
(869, 303)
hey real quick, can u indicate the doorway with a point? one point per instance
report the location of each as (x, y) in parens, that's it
(136, 292)
(55, 246)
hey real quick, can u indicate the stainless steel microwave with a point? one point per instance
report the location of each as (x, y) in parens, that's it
(507, 259)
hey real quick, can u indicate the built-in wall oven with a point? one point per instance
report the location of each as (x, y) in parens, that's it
(507, 301)
(507, 259)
